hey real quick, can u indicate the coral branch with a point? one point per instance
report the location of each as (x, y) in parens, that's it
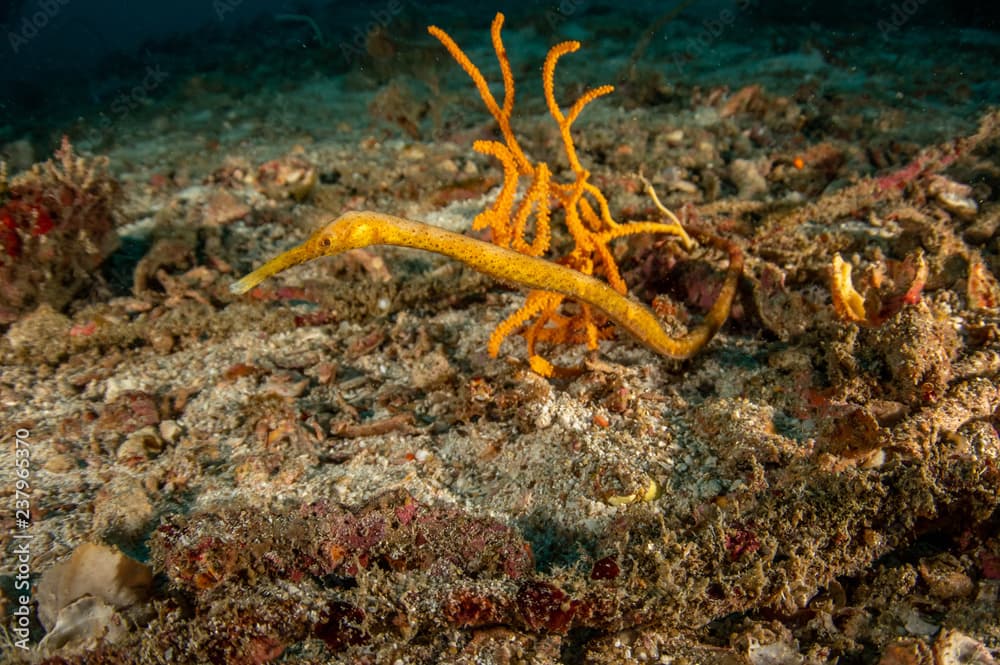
(586, 211)
(521, 233)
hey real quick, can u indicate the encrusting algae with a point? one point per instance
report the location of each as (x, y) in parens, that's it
(512, 258)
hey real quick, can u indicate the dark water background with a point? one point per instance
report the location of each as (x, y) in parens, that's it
(65, 61)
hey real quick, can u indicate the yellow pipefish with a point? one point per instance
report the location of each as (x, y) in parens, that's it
(353, 230)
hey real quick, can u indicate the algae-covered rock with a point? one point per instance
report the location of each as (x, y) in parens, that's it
(57, 225)
(42, 334)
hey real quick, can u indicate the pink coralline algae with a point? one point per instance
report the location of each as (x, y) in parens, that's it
(327, 548)
(392, 533)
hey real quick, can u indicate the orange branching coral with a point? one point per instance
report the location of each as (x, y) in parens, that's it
(512, 220)
(587, 214)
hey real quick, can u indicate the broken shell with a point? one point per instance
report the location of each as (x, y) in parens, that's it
(170, 431)
(955, 648)
(962, 206)
(747, 177)
(81, 625)
(141, 445)
(651, 493)
(955, 197)
(291, 176)
(92, 570)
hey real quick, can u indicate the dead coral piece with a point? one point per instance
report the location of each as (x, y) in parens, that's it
(56, 227)
(853, 435)
(397, 103)
(401, 422)
(170, 252)
(82, 625)
(906, 360)
(984, 227)
(783, 311)
(222, 208)
(235, 172)
(748, 99)
(909, 651)
(122, 510)
(945, 576)
(431, 370)
(288, 177)
(127, 412)
(96, 571)
(742, 434)
(747, 177)
(140, 446)
(880, 301)
(963, 402)
(916, 350)
(42, 335)
(955, 648)
(983, 290)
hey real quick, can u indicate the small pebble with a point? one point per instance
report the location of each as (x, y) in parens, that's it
(59, 463)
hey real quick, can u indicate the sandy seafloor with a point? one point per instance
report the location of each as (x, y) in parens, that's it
(333, 469)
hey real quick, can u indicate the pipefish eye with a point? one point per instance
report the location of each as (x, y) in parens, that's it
(325, 242)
